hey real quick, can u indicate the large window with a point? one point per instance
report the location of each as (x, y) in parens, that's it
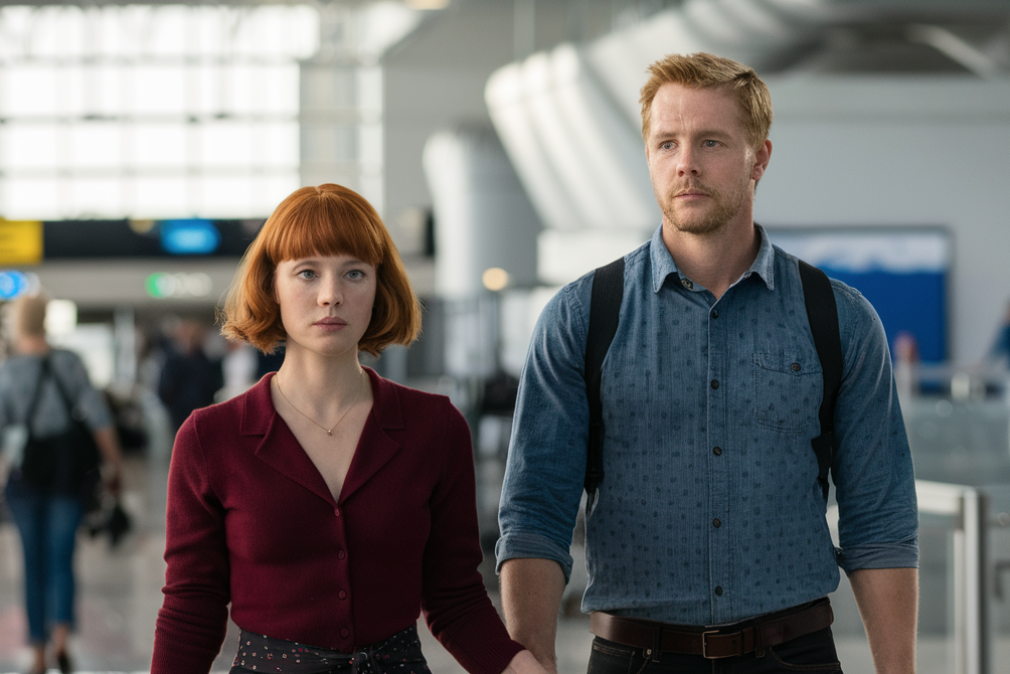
(150, 111)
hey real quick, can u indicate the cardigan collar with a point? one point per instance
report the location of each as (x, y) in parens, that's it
(279, 448)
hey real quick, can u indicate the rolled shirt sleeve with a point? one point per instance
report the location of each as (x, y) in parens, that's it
(547, 453)
(872, 470)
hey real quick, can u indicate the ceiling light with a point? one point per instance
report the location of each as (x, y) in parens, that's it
(427, 4)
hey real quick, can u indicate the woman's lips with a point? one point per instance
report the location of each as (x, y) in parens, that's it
(330, 324)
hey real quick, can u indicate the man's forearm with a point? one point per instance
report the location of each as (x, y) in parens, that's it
(531, 591)
(888, 601)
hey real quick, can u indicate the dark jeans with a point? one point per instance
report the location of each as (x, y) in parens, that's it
(811, 653)
(48, 524)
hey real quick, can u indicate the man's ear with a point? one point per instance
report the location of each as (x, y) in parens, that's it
(761, 159)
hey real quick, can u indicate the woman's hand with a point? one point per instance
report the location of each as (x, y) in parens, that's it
(525, 663)
(113, 481)
(112, 458)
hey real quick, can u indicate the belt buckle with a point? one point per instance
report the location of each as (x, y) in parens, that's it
(704, 647)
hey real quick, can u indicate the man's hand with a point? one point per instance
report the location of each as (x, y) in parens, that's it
(888, 601)
(531, 591)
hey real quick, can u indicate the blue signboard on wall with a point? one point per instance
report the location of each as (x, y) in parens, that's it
(902, 272)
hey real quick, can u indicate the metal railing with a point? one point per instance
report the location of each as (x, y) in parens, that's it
(969, 507)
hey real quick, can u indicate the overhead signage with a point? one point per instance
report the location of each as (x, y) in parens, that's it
(162, 285)
(189, 237)
(174, 237)
(20, 242)
(13, 284)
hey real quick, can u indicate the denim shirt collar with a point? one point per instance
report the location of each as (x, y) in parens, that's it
(663, 264)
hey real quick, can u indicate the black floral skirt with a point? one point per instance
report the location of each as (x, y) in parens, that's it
(399, 654)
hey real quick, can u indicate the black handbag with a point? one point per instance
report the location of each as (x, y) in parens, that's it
(67, 462)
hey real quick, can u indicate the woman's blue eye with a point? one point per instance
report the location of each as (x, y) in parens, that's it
(356, 274)
(307, 274)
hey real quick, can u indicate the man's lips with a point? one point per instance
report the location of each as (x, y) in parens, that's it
(690, 194)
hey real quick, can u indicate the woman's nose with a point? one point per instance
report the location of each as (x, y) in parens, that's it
(330, 293)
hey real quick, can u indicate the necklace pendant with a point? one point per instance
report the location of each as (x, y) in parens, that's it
(329, 432)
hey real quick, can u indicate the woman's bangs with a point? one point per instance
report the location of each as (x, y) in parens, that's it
(327, 233)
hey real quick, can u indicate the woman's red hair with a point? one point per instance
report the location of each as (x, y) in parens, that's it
(325, 220)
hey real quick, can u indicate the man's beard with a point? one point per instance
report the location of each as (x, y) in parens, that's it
(722, 210)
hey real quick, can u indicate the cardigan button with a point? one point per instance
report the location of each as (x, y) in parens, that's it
(342, 594)
(336, 511)
(345, 633)
(341, 554)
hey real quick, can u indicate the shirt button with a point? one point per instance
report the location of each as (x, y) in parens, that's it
(341, 554)
(715, 313)
(342, 594)
(796, 367)
(716, 523)
(715, 383)
(718, 590)
(345, 633)
(686, 283)
(717, 451)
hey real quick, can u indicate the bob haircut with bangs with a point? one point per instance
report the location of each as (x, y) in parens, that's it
(324, 220)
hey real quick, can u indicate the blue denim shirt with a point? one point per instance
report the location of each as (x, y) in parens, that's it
(710, 511)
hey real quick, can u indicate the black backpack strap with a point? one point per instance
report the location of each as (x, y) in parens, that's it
(68, 402)
(34, 404)
(822, 312)
(604, 314)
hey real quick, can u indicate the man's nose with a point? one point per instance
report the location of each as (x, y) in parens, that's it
(687, 162)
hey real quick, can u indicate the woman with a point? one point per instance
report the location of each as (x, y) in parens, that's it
(45, 389)
(328, 505)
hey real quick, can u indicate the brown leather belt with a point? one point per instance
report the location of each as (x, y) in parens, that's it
(718, 642)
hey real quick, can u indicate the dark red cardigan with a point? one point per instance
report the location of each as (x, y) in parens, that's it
(251, 522)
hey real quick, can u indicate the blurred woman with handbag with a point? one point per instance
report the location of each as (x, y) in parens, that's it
(55, 424)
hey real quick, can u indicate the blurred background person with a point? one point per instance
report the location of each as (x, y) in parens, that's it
(999, 352)
(47, 390)
(238, 369)
(906, 364)
(189, 378)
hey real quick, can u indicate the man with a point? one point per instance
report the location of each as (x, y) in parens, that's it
(708, 536)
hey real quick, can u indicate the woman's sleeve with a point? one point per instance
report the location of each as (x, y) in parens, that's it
(193, 619)
(455, 602)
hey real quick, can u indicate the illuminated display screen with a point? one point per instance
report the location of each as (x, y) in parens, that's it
(13, 284)
(196, 237)
(189, 237)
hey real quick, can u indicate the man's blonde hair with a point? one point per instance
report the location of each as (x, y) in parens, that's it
(703, 71)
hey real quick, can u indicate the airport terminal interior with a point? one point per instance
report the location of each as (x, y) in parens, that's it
(143, 143)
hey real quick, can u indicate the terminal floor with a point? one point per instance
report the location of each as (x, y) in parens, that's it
(119, 594)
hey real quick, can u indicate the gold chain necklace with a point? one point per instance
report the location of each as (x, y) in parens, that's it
(329, 431)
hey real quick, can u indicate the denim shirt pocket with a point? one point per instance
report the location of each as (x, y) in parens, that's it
(788, 389)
